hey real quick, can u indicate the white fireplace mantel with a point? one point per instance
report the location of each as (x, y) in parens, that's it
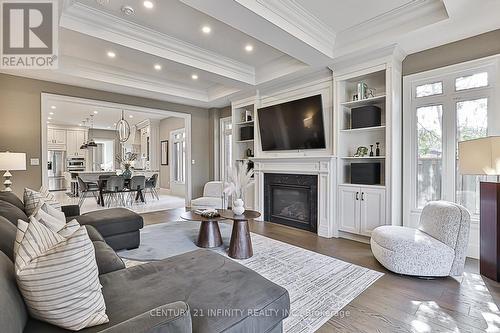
(322, 166)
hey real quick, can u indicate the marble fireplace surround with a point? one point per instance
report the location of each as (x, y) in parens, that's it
(323, 167)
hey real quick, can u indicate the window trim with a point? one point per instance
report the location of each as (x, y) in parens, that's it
(448, 99)
(222, 133)
(172, 159)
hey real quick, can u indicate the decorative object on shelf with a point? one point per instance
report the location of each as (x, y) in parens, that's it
(91, 143)
(248, 115)
(123, 129)
(249, 152)
(354, 97)
(365, 173)
(362, 89)
(208, 213)
(482, 157)
(361, 151)
(164, 152)
(246, 133)
(371, 150)
(10, 162)
(366, 116)
(377, 151)
(370, 93)
(239, 178)
(126, 162)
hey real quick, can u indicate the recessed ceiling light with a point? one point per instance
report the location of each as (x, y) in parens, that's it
(131, 116)
(194, 77)
(249, 47)
(48, 122)
(108, 127)
(158, 67)
(206, 29)
(96, 112)
(111, 54)
(53, 107)
(127, 10)
(148, 4)
(51, 113)
(114, 124)
(49, 118)
(79, 124)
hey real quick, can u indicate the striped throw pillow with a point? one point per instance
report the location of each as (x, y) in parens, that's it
(32, 200)
(57, 275)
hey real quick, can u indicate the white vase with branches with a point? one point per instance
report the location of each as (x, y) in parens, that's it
(238, 179)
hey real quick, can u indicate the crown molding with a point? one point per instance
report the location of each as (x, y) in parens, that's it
(410, 16)
(390, 53)
(277, 68)
(93, 22)
(293, 18)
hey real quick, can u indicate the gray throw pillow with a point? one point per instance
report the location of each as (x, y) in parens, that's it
(7, 237)
(12, 213)
(12, 199)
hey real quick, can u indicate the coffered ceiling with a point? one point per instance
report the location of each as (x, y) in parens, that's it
(206, 52)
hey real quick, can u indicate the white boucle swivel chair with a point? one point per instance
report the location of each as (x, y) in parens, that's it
(438, 246)
(213, 197)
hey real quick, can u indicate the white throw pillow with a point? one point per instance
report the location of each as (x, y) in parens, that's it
(57, 275)
(32, 200)
(52, 218)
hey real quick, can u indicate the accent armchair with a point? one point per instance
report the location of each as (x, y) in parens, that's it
(213, 197)
(438, 246)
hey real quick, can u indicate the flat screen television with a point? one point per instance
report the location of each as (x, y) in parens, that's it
(293, 125)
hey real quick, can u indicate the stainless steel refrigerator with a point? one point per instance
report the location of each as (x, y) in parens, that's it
(55, 168)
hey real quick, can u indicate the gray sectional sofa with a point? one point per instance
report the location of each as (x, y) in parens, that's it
(199, 291)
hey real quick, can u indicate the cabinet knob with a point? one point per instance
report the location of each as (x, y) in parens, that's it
(357, 195)
(362, 196)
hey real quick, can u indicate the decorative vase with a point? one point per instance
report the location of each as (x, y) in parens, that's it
(127, 174)
(238, 207)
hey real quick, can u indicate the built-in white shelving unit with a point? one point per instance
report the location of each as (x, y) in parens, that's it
(243, 115)
(361, 208)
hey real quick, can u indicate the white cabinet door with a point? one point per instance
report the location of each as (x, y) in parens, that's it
(349, 208)
(372, 209)
(71, 148)
(59, 136)
(50, 135)
(80, 139)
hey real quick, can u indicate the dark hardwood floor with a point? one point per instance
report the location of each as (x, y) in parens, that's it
(394, 303)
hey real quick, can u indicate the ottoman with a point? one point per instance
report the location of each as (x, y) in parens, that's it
(118, 226)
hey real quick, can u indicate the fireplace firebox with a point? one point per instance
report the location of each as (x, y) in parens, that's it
(291, 200)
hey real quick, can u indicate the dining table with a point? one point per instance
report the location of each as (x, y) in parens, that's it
(101, 183)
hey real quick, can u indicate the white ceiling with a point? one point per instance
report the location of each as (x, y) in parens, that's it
(290, 39)
(72, 113)
(340, 15)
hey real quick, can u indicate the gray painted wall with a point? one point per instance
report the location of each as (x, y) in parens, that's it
(476, 47)
(20, 127)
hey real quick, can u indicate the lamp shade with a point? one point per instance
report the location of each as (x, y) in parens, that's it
(479, 156)
(12, 161)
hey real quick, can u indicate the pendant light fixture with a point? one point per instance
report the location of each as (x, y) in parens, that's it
(84, 144)
(123, 129)
(91, 142)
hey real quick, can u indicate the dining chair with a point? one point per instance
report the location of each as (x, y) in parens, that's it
(114, 190)
(85, 190)
(151, 184)
(136, 187)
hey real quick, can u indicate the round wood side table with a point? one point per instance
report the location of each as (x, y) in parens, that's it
(209, 235)
(240, 246)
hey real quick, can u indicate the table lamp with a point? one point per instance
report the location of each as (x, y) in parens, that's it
(482, 157)
(10, 162)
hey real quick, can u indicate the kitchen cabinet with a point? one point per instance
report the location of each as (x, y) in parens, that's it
(74, 139)
(362, 209)
(145, 143)
(56, 139)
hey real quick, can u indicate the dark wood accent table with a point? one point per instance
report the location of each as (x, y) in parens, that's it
(209, 235)
(240, 246)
